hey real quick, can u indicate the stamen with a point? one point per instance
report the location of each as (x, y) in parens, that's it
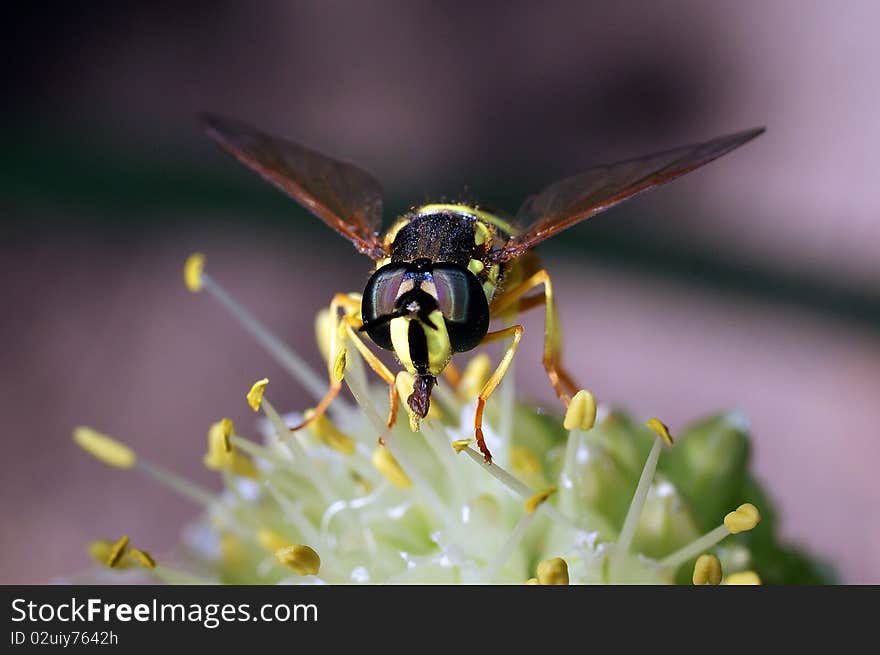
(634, 513)
(255, 395)
(99, 550)
(742, 519)
(742, 578)
(745, 517)
(357, 386)
(301, 559)
(581, 412)
(516, 486)
(474, 377)
(325, 328)
(510, 544)
(525, 462)
(340, 364)
(385, 463)
(142, 557)
(192, 271)
(176, 483)
(553, 572)
(660, 430)
(117, 550)
(288, 359)
(535, 501)
(461, 444)
(707, 570)
(282, 434)
(221, 456)
(113, 453)
(324, 429)
(103, 448)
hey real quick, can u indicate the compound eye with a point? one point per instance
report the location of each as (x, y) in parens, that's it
(462, 301)
(379, 301)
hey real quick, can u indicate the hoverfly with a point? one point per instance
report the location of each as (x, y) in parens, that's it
(443, 271)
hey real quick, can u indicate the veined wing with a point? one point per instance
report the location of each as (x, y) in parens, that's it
(580, 197)
(343, 196)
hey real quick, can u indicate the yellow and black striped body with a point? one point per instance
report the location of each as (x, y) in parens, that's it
(440, 233)
(430, 296)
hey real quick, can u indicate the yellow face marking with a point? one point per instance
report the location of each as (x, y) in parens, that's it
(439, 347)
(400, 341)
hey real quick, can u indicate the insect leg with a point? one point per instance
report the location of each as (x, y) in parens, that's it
(562, 382)
(516, 332)
(351, 305)
(352, 323)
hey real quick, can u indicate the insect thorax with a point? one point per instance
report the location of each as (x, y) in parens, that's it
(457, 234)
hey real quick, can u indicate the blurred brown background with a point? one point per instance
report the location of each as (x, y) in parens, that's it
(750, 284)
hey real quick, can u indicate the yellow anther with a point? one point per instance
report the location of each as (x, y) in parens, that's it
(742, 519)
(255, 395)
(104, 448)
(525, 462)
(302, 559)
(743, 578)
(324, 429)
(660, 430)
(142, 557)
(533, 502)
(461, 444)
(553, 571)
(474, 376)
(581, 412)
(532, 581)
(384, 461)
(117, 550)
(707, 570)
(271, 540)
(220, 432)
(222, 456)
(99, 550)
(339, 365)
(219, 446)
(192, 271)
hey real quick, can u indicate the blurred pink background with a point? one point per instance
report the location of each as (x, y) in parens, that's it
(434, 99)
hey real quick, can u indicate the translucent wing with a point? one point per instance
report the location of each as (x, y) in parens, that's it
(346, 198)
(577, 198)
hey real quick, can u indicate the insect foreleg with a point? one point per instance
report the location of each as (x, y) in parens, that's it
(352, 323)
(335, 336)
(516, 332)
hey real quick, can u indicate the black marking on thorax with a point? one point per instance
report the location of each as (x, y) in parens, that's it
(440, 237)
